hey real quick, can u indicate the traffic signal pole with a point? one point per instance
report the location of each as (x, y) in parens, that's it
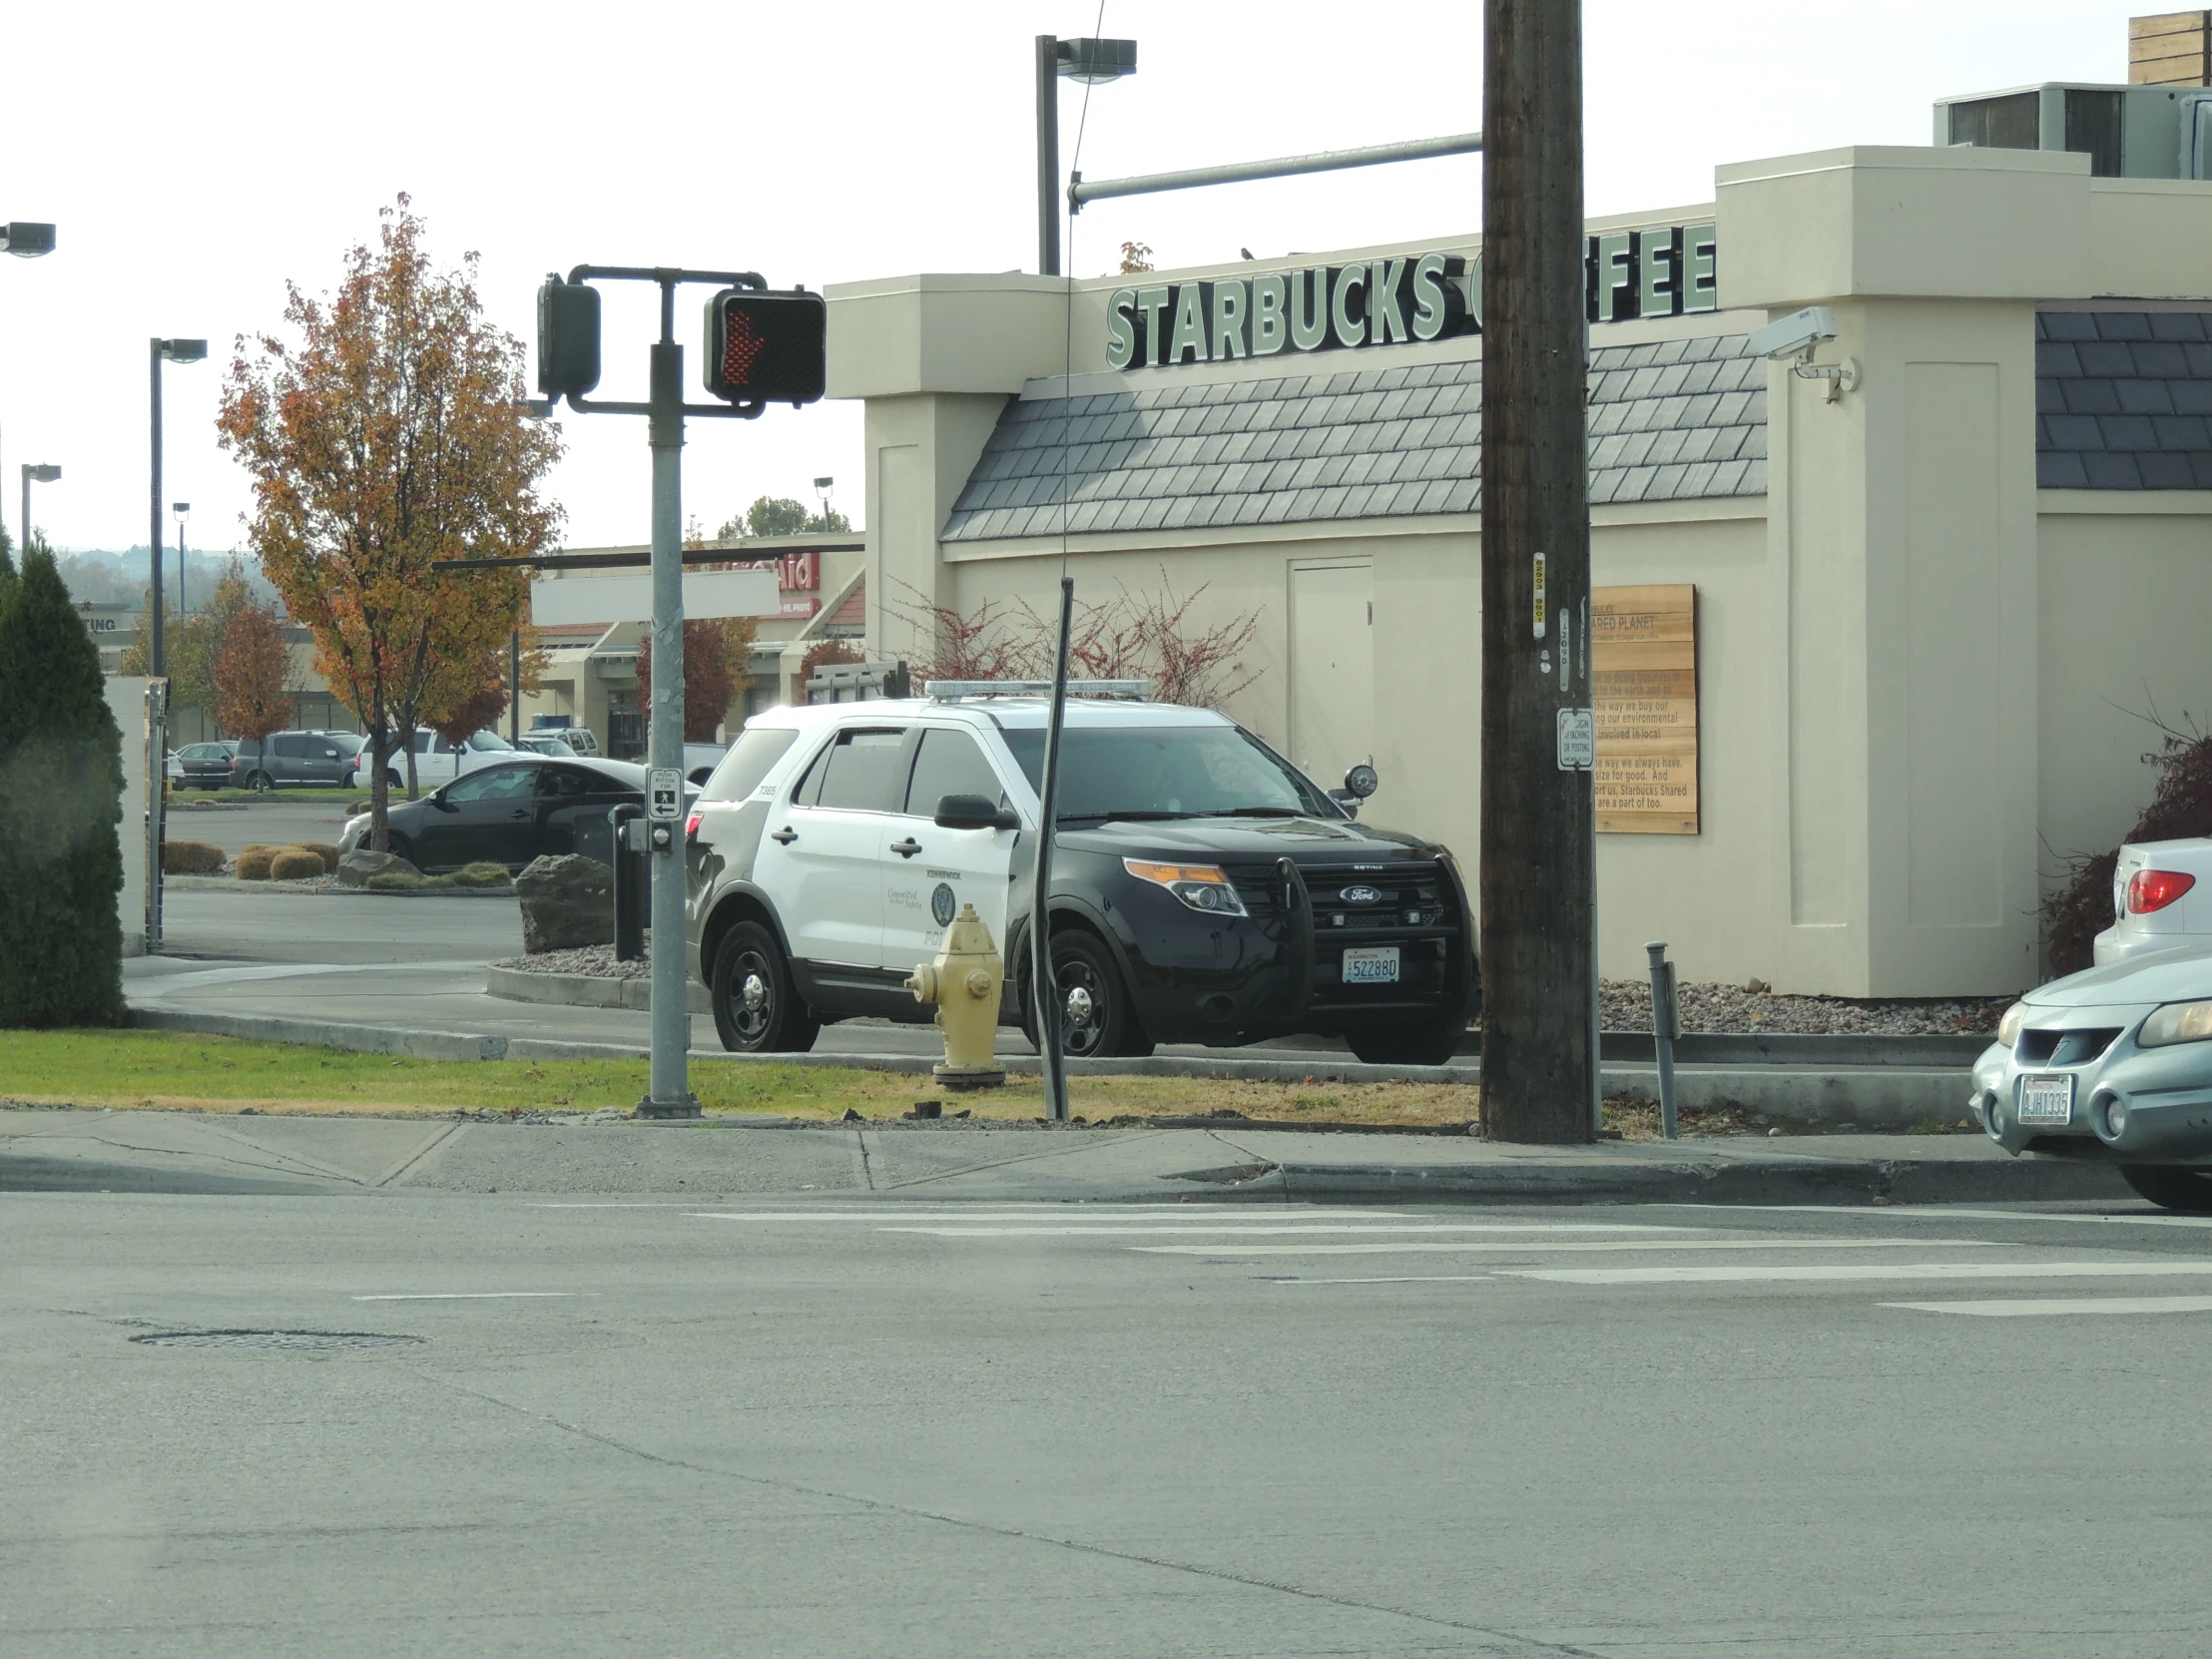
(1539, 863)
(761, 347)
(670, 1095)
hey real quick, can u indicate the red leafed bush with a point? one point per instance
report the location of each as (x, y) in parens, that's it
(2180, 807)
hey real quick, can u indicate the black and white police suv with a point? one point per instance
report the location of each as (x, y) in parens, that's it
(1204, 891)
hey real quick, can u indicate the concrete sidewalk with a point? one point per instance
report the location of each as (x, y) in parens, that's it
(150, 1151)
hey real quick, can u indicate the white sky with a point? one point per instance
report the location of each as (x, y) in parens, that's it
(194, 157)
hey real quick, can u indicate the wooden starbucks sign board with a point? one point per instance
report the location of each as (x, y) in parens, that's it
(1643, 665)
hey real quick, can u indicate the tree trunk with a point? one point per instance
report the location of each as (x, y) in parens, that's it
(1539, 1040)
(379, 793)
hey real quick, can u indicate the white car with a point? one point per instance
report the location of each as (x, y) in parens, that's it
(2161, 900)
(436, 761)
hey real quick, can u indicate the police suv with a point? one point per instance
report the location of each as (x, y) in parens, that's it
(1204, 890)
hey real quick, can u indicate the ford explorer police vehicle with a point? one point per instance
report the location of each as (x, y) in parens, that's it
(1204, 890)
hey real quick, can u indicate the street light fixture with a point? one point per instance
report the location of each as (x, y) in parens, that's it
(180, 510)
(160, 351)
(32, 475)
(1092, 63)
(25, 240)
(823, 488)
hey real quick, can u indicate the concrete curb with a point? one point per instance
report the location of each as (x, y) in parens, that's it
(1783, 1179)
(231, 883)
(581, 990)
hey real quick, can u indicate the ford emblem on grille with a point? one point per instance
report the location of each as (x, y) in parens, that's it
(1361, 896)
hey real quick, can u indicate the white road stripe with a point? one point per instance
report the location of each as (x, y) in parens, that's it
(2028, 1307)
(1245, 1229)
(1525, 1247)
(1946, 1212)
(467, 1296)
(1407, 1279)
(880, 1218)
(1811, 1274)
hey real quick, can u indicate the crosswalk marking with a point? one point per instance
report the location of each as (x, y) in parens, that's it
(1552, 1245)
(1812, 1274)
(1143, 1228)
(2032, 1307)
(1398, 1278)
(1134, 1214)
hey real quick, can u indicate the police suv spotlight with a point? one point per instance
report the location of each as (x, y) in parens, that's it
(1795, 334)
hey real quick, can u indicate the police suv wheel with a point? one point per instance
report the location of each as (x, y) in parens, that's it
(1097, 1019)
(757, 1009)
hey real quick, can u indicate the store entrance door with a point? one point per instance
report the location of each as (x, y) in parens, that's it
(1331, 619)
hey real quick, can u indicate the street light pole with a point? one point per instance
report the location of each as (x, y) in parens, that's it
(1048, 156)
(32, 475)
(180, 510)
(158, 352)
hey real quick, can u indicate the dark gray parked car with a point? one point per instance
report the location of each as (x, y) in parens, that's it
(206, 764)
(296, 758)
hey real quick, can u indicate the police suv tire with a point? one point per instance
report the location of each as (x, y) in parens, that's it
(776, 1019)
(2186, 1190)
(1080, 960)
(1432, 1044)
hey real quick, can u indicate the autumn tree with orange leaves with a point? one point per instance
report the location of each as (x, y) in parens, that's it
(387, 434)
(253, 675)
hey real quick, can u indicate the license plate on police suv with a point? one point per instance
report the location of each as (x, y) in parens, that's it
(2046, 1099)
(1375, 964)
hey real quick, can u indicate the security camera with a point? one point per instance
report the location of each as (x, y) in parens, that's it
(1795, 334)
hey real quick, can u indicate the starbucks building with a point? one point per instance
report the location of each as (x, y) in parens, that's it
(1872, 646)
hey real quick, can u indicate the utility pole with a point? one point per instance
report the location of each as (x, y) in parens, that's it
(1048, 156)
(1538, 876)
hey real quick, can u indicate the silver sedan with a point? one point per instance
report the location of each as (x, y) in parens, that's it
(2112, 1064)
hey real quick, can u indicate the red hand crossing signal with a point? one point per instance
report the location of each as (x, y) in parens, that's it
(767, 346)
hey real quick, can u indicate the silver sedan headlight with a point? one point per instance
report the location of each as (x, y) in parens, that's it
(2008, 1028)
(2176, 1022)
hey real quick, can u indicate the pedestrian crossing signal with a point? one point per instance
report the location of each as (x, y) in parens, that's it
(767, 346)
(568, 339)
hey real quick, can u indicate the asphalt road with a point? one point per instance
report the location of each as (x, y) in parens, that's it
(814, 1425)
(280, 819)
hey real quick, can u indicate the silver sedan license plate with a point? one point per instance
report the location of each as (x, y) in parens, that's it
(1375, 964)
(2046, 1099)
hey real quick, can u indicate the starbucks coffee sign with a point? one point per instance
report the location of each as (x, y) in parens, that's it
(1664, 272)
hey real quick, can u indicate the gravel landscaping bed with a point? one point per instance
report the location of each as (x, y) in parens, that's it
(595, 961)
(1732, 1011)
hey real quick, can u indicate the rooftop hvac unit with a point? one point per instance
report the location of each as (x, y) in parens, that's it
(2126, 131)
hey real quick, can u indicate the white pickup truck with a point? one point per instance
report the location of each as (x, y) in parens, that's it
(436, 761)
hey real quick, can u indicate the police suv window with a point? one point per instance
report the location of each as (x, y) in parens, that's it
(860, 773)
(740, 772)
(950, 762)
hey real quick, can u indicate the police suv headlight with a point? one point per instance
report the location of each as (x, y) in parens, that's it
(1201, 887)
(2176, 1022)
(2008, 1028)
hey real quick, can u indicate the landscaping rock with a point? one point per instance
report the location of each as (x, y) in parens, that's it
(355, 868)
(567, 902)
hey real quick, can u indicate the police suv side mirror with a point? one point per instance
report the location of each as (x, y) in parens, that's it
(973, 811)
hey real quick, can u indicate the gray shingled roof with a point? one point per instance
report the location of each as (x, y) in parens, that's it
(2121, 400)
(1671, 420)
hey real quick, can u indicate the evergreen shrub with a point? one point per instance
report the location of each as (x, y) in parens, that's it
(296, 863)
(327, 852)
(61, 800)
(252, 864)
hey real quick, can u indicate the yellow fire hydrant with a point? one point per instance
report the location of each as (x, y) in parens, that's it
(964, 982)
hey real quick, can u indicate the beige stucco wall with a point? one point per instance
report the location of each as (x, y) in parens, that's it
(2126, 583)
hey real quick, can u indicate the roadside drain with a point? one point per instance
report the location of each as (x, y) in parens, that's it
(294, 1340)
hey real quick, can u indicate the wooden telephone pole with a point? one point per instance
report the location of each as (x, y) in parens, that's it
(1538, 876)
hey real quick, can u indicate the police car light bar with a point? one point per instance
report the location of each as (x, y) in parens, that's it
(953, 691)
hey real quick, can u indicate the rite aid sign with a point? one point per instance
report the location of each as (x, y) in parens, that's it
(1662, 272)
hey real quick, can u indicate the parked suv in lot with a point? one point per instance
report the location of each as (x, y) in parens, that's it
(1204, 890)
(295, 758)
(438, 760)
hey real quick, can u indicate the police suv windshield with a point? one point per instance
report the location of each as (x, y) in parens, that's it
(1165, 771)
